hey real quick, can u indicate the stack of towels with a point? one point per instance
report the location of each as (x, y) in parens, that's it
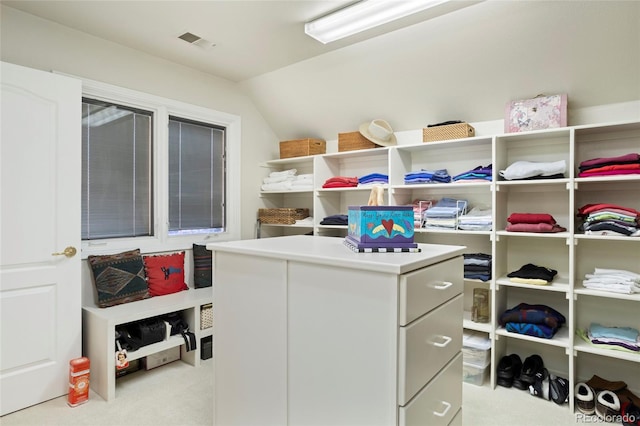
(613, 280)
(287, 180)
(532, 320)
(609, 166)
(477, 266)
(533, 222)
(609, 219)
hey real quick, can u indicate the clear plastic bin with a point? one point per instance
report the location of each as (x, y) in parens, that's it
(476, 349)
(474, 374)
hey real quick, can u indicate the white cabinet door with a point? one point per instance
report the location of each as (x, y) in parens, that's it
(40, 301)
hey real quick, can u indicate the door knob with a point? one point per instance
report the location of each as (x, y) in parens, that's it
(69, 252)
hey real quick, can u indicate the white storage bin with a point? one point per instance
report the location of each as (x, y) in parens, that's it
(474, 374)
(476, 349)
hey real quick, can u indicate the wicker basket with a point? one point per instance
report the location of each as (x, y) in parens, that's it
(206, 316)
(302, 147)
(354, 141)
(282, 216)
(450, 131)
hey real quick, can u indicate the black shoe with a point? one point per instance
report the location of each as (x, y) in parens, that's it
(508, 368)
(540, 387)
(558, 389)
(532, 365)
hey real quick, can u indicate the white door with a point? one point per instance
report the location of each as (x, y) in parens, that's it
(40, 301)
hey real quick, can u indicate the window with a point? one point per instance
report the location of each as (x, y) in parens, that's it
(157, 174)
(117, 191)
(196, 177)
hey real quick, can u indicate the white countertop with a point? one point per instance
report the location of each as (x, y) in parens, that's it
(331, 251)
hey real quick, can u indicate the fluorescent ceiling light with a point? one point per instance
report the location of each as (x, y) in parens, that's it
(104, 116)
(362, 16)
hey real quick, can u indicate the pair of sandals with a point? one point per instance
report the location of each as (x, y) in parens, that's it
(531, 375)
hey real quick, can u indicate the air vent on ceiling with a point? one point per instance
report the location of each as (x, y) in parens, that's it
(196, 40)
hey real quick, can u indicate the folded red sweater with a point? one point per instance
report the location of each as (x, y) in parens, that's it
(535, 227)
(531, 218)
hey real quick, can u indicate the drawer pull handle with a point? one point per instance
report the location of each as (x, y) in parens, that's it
(447, 340)
(446, 410)
(444, 285)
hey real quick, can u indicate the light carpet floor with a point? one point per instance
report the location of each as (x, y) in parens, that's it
(177, 394)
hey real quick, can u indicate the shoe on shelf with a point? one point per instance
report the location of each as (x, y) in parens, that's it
(607, 405)
(518, 383)
(558, 389)
(508, 367)
(540, 386)
(585, 398)
(532, 365)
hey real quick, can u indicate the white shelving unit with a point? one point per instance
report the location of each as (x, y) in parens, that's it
(99, 326)
(571, 253)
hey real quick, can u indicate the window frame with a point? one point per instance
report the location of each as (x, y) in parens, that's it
(162, 108)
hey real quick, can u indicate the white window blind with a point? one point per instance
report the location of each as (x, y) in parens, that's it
(196, 177)
(117, 192)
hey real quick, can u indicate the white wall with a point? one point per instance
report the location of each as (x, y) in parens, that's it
(33, 42)
(462, 66)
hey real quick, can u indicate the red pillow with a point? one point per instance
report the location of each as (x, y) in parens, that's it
(165, 273)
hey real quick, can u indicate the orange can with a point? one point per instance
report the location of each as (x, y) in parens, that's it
(78, 381)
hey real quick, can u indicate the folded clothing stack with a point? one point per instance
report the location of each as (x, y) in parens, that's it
(532, 320)
(532, 274)
(427, 176)
(608, 166)
(613, 280)
(287, 180)
(477, 219)
(534, 170)
(373, 179)
(533, 222)
(479, 174)
(335, 219)
(341, 182)
(444, 215)
(625, 337)
(609, 219)
(419, 207)
(477, 266)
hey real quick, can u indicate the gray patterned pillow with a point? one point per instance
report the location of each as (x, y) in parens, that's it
(119, 278)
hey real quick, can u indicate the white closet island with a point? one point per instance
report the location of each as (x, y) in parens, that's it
(308, 332)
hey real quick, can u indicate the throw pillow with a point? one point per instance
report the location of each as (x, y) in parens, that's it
(119, 278)
(165, 273)
(202, 266)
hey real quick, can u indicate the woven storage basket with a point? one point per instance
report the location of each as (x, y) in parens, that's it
(353, 141)
(206, 316)
(302, 147)
(284, 216)
(450, 131)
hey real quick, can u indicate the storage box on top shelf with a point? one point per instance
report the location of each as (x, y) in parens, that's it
(353, 141)
(447, 131)
(302, 147)
(541, 112)
(381, 226)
